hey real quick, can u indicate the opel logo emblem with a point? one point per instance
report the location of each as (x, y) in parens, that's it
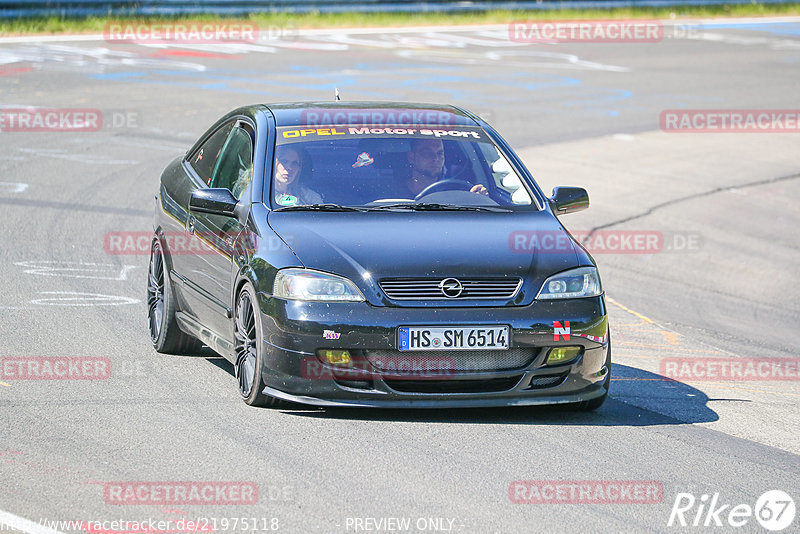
(451, 287)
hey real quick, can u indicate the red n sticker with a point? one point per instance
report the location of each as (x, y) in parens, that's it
(559, 329)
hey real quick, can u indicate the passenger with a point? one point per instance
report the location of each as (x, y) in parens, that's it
(292, 167)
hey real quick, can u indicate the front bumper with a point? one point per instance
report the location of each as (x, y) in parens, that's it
(293, 332)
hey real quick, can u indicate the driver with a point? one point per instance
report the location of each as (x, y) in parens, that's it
(426, 160)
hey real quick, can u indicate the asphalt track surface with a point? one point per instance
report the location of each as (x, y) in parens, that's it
(724, 284)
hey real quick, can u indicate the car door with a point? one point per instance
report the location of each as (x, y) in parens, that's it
(214, 250)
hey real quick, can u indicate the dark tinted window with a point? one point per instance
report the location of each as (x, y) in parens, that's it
(234, 167)
(204, 159)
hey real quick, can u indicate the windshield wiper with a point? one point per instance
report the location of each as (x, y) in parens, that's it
(423, 206)
(429, 206)
(319, 207)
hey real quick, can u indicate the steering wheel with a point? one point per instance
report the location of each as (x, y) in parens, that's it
(443, 185)
(459, 170)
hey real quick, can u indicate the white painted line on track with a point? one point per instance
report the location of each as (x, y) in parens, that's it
(25, 525)
(58, 153)
(74, 298)
(14, 187)
(26, 39)
(77, 269)
(783, 44)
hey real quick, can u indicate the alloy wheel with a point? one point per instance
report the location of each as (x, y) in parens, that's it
(155, 292)
(245, 344)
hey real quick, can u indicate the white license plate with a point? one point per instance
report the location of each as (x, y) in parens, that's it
(452, 337)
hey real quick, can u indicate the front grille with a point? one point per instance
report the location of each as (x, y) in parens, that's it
(430, 289)
(448, 361)
(494, 385)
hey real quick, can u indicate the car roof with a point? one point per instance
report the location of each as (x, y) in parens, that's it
(368, 113)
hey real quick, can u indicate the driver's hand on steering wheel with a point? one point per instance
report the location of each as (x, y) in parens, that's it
(479, 189)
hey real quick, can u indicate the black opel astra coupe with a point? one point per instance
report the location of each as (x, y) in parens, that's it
(375, 254)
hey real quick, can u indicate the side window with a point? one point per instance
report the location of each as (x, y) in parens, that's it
(234, 168)
(504, 176)
(204, 160)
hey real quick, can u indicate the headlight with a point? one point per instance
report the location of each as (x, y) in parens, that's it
(305, 284)
(580, 282)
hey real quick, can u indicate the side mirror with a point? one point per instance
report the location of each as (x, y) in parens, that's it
(569, 200)
(216, 201)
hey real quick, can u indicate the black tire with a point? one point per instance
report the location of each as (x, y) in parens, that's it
(248, 349)
(166, 336)
(591, 405)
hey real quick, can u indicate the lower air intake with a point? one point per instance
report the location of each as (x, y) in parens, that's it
(453, 361)
(540, 382)
(494, 385)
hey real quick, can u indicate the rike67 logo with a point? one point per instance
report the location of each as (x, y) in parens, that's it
(774, 510)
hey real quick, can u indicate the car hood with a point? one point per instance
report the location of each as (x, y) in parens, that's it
(368, 247)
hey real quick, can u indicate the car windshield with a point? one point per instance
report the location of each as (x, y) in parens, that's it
(393, 168)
